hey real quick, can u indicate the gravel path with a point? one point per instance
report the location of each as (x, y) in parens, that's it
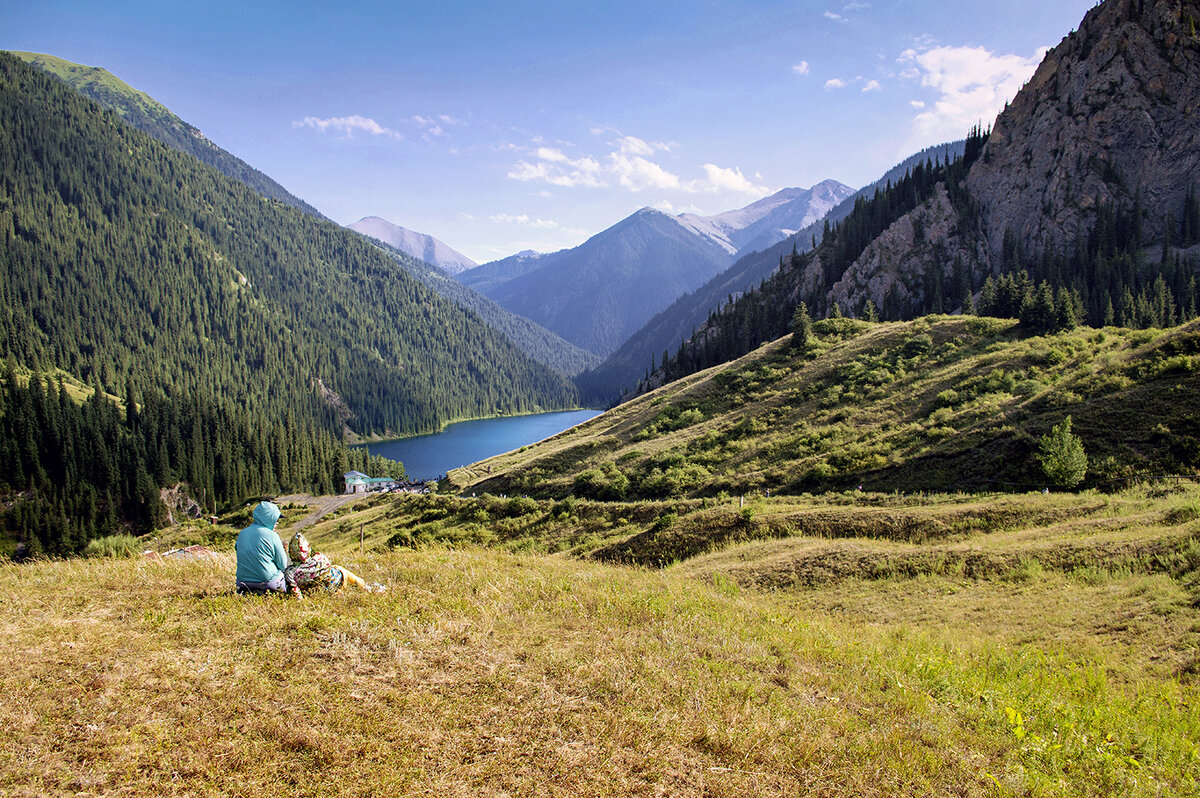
(323, 505)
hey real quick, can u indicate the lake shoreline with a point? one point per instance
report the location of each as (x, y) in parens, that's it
(468, 441)
(360, 441)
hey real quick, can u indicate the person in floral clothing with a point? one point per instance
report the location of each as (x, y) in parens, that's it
(311, 570)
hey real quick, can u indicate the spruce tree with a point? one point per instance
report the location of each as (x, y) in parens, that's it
(801, 329)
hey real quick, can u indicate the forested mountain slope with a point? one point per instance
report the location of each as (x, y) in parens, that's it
(147, 114)
(531, 338)
(125, 256)
(143, 272)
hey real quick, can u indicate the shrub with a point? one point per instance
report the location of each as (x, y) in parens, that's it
(605, 483)
(664, 522)
(519, 506)
(948, 398)
(918, 345)
(839, 327)
(1027, 388)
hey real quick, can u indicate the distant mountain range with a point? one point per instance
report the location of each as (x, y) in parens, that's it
(598, 294)
(771, 219)
(419, 245)
(530, 337)
(621, 370)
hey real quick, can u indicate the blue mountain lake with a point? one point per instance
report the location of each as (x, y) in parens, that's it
(430, 456)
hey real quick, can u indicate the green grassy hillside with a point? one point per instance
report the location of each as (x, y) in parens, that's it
(940, 403)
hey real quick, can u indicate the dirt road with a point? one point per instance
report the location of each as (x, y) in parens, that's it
(323, 505)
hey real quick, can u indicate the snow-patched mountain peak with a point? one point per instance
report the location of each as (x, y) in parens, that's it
(770, 219)
(418, 245)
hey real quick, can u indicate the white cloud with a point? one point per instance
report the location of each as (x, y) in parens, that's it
(554, 167)
(551, 154)
(348, 126)
(835, 17)
(558, 175)
(721, 179)
(872, 85)
(836, 83)
(534, 223)
(523, 220)
(917, 104)
(637, 173)
(632, 145)
(434, 127)
(801, 69)
(972, 84)
(631, 164)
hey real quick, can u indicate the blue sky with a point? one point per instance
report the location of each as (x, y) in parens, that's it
(505, 126)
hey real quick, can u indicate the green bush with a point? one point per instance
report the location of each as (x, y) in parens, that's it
(519, 506)
(1061, 455)
(605, 483)
(1027, 388)
(948, 398)
(941, 415)
(664, 522)
(918, 345)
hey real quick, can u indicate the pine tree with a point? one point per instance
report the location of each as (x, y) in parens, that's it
(801, 329)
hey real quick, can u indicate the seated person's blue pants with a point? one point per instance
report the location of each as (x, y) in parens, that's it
(276, 585)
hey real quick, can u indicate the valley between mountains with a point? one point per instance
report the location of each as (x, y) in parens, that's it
(896, 491)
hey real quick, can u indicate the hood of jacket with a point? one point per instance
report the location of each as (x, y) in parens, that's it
(266, 513)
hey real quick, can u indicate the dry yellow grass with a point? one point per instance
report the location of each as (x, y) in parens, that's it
(482, 672)
(477, 674)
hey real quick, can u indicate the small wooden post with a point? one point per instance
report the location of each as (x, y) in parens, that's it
(360, 537)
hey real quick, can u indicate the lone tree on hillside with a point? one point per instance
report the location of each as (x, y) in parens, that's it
(801, 328)
(1062, 456)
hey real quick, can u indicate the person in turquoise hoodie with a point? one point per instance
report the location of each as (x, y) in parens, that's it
(260, 555)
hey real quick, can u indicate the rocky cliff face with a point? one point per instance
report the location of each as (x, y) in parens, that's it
(895, 263)
(1114, 110)
(1112, 115)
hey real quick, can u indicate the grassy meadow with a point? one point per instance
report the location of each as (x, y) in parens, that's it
(853, 644)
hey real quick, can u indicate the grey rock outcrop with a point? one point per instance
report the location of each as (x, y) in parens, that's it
(895, 263)
(1112, 112)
